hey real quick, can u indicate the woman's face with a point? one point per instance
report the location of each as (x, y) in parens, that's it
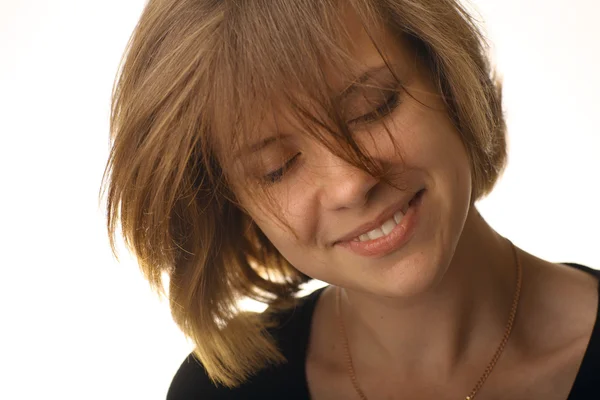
(328, 203)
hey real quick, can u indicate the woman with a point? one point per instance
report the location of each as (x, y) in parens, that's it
(260, 144)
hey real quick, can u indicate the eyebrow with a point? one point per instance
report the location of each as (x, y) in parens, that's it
(367, 75)
(345, 93)
(265, 142)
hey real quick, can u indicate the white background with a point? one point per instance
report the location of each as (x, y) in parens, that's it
(75, 324)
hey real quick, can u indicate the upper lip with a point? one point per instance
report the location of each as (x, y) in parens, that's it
(380, 219)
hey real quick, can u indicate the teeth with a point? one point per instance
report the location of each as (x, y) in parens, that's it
(384, 230)
(388, 226)
(375, 233)
(398, 217)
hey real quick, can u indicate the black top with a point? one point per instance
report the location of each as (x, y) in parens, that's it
(288, 381)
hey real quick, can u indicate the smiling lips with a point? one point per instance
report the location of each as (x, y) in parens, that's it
(384, 230)
(392, 234)
(383, 224)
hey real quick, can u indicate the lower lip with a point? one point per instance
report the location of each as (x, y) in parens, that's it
(392, 241)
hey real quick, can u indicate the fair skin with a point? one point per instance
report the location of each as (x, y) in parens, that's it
(424, 320)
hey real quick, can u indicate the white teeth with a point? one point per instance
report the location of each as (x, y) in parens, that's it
(388, 226)
(375, 233)
(398, 217)
(384, 230)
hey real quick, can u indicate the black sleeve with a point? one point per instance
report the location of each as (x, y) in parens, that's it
(191, 382)
(286, 381)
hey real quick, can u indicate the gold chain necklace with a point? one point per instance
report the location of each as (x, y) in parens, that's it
(490, 366)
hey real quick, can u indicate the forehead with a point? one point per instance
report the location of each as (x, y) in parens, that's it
(272, 114)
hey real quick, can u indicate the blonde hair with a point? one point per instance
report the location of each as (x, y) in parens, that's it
(201, 70)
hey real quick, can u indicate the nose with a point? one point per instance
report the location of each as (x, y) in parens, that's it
(343, 186)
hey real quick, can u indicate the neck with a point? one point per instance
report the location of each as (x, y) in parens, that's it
(460, 318)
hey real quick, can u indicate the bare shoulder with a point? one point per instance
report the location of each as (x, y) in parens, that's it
(558, 311)
(555, 320)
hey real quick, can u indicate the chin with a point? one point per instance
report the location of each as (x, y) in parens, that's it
(421, 266)
(416, 273)
(414, 270)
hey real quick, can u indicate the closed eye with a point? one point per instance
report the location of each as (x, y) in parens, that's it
(390, 103)
(277, 175)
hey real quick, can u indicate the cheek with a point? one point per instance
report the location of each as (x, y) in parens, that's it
(430, 143)
(290, 227)
(297, 246)
(308, 259)
(427, 140)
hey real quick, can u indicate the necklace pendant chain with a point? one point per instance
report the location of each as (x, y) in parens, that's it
(490, 366)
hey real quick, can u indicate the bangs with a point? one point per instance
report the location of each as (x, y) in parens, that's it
(270, 67)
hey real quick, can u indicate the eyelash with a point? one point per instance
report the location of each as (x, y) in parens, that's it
(277, 175)
(390, 104)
